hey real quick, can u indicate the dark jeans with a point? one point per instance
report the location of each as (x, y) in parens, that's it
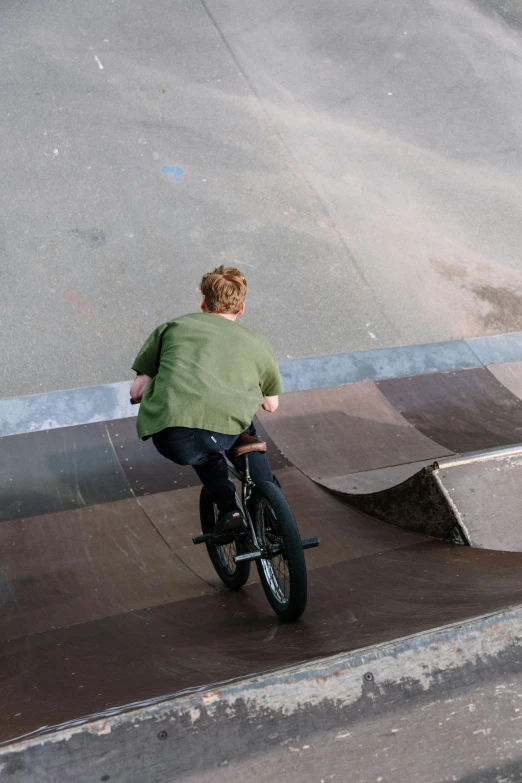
(203, 450)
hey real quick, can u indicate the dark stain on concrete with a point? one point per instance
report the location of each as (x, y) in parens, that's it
(92, 236)
(451, 270)
(505, 303)
(509, 10)
(505, 312)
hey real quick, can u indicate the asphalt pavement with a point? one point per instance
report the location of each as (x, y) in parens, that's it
(361, 162)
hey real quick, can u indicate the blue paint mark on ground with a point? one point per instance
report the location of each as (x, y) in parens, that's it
(176, 172)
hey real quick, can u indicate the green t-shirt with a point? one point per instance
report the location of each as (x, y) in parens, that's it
(207, 372)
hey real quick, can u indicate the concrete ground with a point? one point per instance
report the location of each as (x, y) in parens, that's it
(361, 162)
(459, 739)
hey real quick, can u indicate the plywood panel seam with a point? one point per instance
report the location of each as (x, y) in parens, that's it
(156, 530)
(175, 554)
(117, 458)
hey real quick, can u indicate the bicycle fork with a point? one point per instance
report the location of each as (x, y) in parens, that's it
(262, 550)
(247, 486)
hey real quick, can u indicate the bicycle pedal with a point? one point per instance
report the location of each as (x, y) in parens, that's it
(248, 556)
(310, 543)
(202, 539)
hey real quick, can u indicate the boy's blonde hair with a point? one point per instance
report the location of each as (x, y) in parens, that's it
(224, 289)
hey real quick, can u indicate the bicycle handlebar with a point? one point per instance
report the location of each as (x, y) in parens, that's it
(134, 402)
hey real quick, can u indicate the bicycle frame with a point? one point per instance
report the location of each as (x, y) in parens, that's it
(247, 486)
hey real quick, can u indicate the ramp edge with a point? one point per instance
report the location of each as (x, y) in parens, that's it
(346, 687)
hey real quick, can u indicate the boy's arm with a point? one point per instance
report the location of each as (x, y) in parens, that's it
(147, 360)
(271, 386)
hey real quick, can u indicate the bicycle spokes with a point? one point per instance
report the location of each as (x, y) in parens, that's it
(274, 563)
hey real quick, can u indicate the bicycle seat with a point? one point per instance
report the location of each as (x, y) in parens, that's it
(246, 444)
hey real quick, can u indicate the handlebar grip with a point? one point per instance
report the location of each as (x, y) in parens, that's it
(134, 402)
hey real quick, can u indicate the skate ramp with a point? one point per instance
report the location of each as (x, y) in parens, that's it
(399, 432)
(107, 608)
(366, 426)
(485, 492)
(473, 500)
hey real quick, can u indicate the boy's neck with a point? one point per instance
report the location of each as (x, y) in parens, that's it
(228, 316)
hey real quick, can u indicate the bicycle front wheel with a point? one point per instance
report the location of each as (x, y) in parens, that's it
(233, 575)
(283, 569)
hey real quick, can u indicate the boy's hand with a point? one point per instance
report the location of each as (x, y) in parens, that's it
(271, 404)
(139, 386)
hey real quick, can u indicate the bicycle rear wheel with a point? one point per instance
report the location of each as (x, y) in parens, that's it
(283, 570)
(233, 575)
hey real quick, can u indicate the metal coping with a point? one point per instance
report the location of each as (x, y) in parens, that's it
(90, 404)
(478, 456)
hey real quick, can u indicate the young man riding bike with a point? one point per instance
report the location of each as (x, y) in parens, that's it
(201, 379)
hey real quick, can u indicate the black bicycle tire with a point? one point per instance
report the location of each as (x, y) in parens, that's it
(242, 570)
(294, 555)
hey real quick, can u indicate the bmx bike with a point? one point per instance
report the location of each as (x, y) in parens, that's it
(270, 537)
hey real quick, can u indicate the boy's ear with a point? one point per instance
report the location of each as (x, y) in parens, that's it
(242, 309)
(203, 305)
